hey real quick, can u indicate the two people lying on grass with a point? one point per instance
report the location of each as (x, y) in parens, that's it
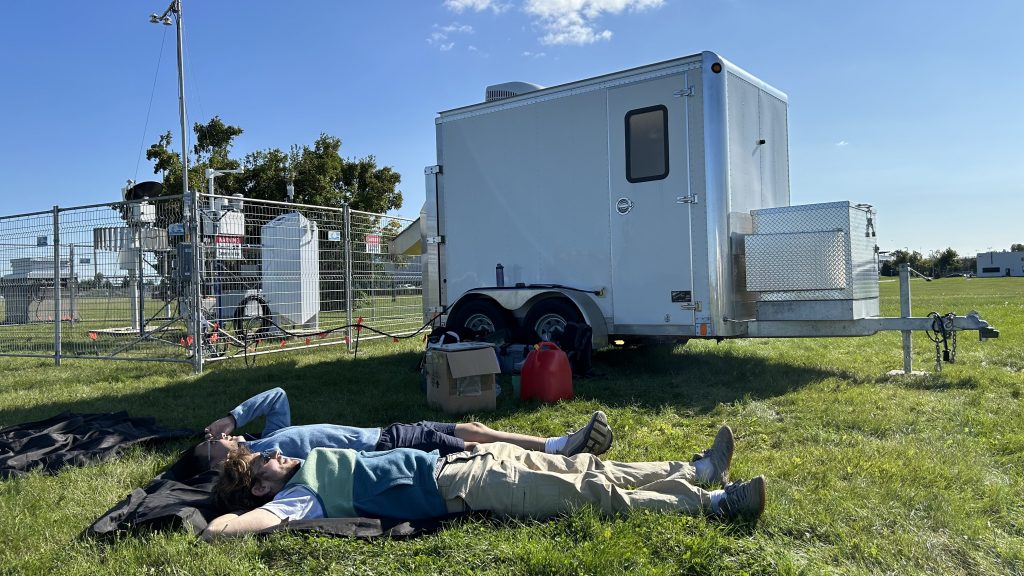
(446, 438)
(267, 488)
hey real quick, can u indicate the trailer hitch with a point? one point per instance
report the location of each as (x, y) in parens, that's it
(986, 333)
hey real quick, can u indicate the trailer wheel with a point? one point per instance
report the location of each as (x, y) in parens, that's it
(479, 316)
(549, 317)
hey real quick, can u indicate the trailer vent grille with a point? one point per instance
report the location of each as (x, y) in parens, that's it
(508, 90)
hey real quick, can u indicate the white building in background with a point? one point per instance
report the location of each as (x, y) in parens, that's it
(991, 264)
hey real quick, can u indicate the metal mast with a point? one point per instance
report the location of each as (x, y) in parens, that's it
(190, 202)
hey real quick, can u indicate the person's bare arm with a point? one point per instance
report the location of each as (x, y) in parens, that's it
(231, 525)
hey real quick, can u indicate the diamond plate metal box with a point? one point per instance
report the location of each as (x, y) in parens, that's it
(796, 261)
(814, 252)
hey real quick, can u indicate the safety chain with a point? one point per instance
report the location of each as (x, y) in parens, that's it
(942, 333)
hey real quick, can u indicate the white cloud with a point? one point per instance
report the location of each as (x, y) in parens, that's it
(455, 28)
(534, 54)
(440, 36)
(459, 6)
(842, 143)
(575, 21)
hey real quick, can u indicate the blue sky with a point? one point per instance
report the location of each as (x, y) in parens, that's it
(912, 106)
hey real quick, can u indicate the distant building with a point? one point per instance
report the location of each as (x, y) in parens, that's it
(991, 264)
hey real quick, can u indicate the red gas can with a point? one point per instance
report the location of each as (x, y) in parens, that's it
(546, 374)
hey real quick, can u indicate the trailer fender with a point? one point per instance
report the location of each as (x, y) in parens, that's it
(518, 302)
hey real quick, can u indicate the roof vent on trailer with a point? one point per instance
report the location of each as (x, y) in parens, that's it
(508, 90)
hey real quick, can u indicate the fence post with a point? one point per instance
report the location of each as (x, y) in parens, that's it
(196, 289)
(140, 288)
(56, 286)
(908, 345)
(72, 285)
(347, 217)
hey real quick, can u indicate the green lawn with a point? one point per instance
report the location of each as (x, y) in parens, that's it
(866, 474)
(91, 335)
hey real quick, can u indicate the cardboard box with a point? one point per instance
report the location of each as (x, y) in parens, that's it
(460, 377)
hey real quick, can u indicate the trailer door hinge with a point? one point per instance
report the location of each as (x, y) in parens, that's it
(688, 91)
(691, 199)
(435, 169)
(434, 239)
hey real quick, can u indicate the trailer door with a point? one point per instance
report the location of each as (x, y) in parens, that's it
(650, 204)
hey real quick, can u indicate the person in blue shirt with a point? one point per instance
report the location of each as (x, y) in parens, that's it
(297, 441)
(262, 490)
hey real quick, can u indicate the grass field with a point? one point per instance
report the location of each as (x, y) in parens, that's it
(866, 474)
(90, 335)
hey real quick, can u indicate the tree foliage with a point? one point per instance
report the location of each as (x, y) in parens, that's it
(320, 175)
(912, 258)
(903, 256)
(1016, 247)
(945, 261)
(937, 263)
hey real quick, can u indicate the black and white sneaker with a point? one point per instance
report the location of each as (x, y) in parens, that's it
(595, 437)
(719, 457)
(744, 500)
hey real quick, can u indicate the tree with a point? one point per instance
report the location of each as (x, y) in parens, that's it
(322, 177)
(213, 144)
(944, 261)
(1016, 247)
(905, 256)
(319, 173)
(211, 150)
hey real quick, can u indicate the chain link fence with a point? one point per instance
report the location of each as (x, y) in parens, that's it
(114, 281)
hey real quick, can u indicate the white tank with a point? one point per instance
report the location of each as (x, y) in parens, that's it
(291, 269)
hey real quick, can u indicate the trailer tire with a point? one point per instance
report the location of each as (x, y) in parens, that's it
(547, 316)
(480, 317)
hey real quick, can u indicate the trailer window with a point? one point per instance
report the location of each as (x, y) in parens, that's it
(647, 144)
(990, 270)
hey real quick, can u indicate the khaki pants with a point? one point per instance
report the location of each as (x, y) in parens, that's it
(508, 480)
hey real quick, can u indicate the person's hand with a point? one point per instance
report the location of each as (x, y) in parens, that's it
(220, 428)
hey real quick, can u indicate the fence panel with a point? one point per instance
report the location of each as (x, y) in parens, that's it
(274, 276)
(387, 288)
(27, 285)
(281, 276)
(123, 290)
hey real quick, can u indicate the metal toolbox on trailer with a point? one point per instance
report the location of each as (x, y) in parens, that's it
(813, 262)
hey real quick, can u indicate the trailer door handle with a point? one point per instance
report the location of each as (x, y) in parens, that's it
(692, 199)
(623, 205)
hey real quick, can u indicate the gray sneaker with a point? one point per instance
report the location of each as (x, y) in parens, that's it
(595, 437)
(719, 455)
(744, 500)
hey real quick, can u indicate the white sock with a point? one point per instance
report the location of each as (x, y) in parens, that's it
(703, 468)
(717, 496)
(555, 444)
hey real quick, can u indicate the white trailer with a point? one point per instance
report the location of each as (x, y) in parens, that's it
(650, 203)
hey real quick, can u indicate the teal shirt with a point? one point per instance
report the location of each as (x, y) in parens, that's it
(396, 483)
